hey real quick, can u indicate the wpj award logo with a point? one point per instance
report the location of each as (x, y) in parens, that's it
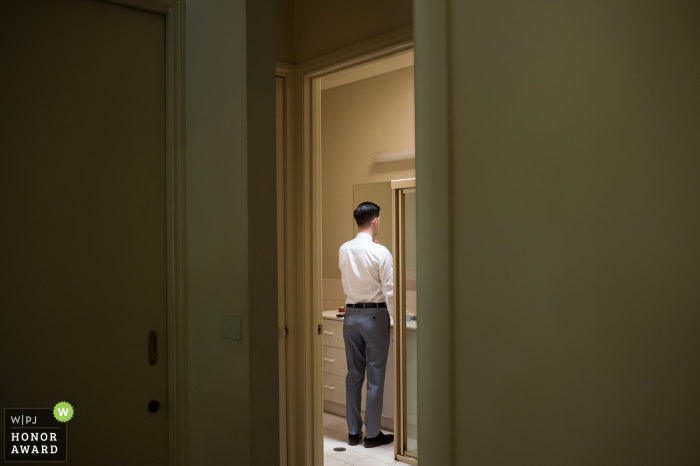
(37, 434)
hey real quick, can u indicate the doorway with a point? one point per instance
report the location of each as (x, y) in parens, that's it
(334, 192)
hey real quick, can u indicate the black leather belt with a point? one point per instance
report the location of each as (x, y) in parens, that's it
(366, 305)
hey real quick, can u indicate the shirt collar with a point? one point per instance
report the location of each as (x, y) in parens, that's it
(363, 235)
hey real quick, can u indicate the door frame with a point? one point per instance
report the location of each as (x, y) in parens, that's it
(178, 408)
(286, 284)
(306, 359)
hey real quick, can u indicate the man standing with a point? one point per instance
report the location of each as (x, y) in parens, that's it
(367, 275)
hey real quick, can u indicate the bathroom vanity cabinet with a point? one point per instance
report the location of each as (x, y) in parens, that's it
(335, 369)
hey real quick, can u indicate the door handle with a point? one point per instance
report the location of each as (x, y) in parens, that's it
(329, 360)
(328, 333)
(331, 388)
(152, 348)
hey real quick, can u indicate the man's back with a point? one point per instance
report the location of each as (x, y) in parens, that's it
(368, 281)
(367, 271)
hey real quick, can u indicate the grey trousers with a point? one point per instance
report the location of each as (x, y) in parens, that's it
(367, 338)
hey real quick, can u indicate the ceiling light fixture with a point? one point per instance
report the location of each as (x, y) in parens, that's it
(394, 155)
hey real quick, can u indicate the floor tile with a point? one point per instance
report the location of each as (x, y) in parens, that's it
(335, 442)
(338, 436)
(333, 417)
(331, 461)
(349, 456)
(337, 454)
(328, 448)
(377, 451)
(387, 457)
(358, 448)
(334, 439)
(337, 427)
(328, 421)
(368, 462)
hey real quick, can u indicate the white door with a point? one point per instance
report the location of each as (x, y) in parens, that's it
(82, 222)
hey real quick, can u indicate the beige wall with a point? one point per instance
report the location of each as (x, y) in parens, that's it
(307, 29)
(230, 139)
(358, 119)
(572, 176)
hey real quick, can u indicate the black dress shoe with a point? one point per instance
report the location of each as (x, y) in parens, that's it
(381, 439)
(354, 439)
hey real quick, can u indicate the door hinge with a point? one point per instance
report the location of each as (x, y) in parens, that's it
(320, 328)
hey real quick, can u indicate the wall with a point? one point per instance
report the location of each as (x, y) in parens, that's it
(323, 27)
(230, 116)
(284, 31)
(572, 186)
(307, 29)
(358, 119)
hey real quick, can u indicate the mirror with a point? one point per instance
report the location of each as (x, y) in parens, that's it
(379, 193)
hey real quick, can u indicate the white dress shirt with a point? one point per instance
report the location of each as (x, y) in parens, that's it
(367, 272)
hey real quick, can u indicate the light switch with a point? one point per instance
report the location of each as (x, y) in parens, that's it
(231, 327)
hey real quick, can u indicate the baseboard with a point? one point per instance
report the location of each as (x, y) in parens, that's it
(339, 410)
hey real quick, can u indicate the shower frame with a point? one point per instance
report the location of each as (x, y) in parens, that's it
(399, 188)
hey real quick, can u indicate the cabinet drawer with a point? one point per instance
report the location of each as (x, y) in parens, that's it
(334, 361)
(334, 389)
(333, 333)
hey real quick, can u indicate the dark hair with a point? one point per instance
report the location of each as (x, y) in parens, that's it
(365, 213)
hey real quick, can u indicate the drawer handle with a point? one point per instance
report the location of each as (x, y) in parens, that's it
(328, 333)
(329, 360)
(332, 388)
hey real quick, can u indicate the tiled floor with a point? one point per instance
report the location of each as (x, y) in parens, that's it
(335, 434)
